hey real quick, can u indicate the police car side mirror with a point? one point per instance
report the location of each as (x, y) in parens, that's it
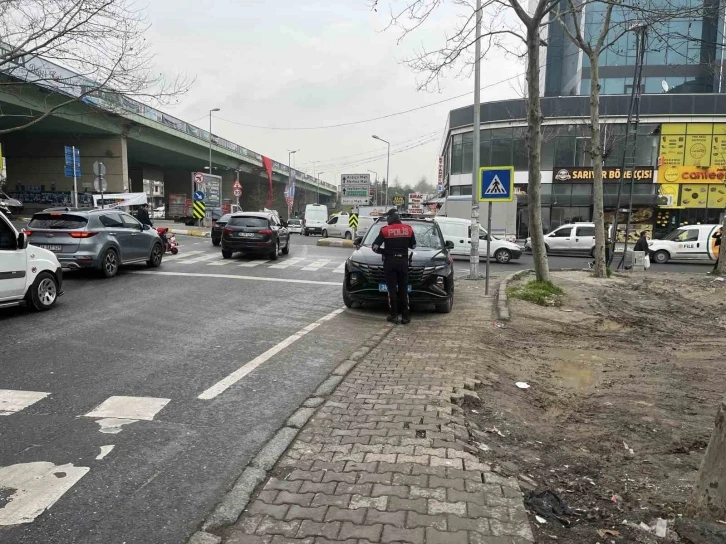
(449, 244)
(358, 241)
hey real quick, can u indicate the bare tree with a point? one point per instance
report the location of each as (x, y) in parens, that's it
(510, 26)
(80, 50)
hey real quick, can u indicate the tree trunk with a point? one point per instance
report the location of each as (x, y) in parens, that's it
(721, 268)
(598, 214)
(709, 496)
(534, 150)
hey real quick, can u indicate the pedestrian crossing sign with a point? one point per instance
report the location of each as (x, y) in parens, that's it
(496, 184)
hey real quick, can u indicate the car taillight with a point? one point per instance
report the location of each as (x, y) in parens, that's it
(227, 230)
(84, 234)
(28, 232)
(265, 232)
(214, 223)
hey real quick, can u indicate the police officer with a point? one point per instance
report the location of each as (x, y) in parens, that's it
(396, 239)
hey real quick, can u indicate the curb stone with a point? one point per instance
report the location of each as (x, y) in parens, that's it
(502, 305)
(328, 242)
(236, 499)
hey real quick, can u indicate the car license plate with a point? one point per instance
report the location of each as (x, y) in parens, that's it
(246, 234)
(383, 288)
(50, 248)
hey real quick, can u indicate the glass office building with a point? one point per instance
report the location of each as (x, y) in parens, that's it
(684, 50)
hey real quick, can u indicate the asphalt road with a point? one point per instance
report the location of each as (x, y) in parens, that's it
(165, 335)
(159, 339)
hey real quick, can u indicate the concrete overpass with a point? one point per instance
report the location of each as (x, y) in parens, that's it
(136, 143)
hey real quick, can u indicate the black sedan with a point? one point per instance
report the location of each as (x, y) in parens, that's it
(255, 232)
(217, 227)
(430, 269)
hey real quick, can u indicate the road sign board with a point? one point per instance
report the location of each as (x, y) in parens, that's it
(353, 220)
(72, 156)
(198, 178)
(68, 171)
(100, 185)
(237, 193)
(99, 168)
(398, 200)
(355, 180)
(496, 184)
(237, 184)
(364, 192)
(199, 209)
(198, 196)
(355, 201)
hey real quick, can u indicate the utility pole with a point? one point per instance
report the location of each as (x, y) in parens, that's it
(376, 184)
(474, 256)
(388, 166)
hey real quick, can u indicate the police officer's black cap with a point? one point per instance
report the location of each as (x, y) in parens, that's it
(393, 211)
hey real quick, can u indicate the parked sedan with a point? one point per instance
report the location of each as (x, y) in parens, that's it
(100, 239)
(255, 232)
(430, 269)
(217, 227)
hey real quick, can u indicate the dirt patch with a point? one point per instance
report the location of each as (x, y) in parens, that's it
(625, 379)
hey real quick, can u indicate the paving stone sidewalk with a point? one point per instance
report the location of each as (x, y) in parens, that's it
(386, 458)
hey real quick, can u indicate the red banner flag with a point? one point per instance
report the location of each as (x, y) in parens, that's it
(268, 166)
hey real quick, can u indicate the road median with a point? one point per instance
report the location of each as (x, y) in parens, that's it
(329, 242)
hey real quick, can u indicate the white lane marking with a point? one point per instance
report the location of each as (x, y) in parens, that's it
(181, 255)
(105, 450)
(220, 262)
(111, 425)
(288, 262)
(36, 487)
(201, 258)
(252, 264)
(222, 385)
(13, 401)
(144, 408)
(235, 277)
(340, 269)
(317, 265)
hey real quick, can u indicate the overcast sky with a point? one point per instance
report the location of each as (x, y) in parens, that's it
(305, 63)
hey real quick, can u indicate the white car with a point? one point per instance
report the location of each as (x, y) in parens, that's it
(316, 217)
(456, 231)
(159, 213)
(295, 226)
(686, 243)
(29, 275)
(573, 238)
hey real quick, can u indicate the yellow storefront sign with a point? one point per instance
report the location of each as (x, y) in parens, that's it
(698, 150)
(672, 144)
(691, 174)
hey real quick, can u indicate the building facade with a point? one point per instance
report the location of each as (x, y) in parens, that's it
(680, 157)
(684, 50)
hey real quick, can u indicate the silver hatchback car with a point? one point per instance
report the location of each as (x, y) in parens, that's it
(90, 238)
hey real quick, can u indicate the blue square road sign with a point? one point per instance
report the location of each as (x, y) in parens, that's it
(496, 184)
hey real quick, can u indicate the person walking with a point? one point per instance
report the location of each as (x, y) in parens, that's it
(642, 245)
(717, 244)
(393, 243)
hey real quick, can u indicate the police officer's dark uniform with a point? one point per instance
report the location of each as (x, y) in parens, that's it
(396, 239)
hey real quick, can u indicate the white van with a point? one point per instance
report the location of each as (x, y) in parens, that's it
(338, 226)
(686, 243)
(316, 217)
(457, 230)
(28, 274)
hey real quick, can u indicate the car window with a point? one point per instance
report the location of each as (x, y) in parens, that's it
(453, 229)
(7, 237)
(130, 222)
(427, 234)
(293, 222)
(57, 220)
(250, 221)
(112, 220)
(562, 233)
(316, 214)
(224, 218)
(690, 235)
(585, 231)
(333, 221)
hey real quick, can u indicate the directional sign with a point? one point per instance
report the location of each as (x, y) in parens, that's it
(100, 185)
(237, 193)
(356, 192)
(199, 178)
(199, 209)
(198, 196)
(72, 157)
(353, 220)
(496, 184)
(350, 180)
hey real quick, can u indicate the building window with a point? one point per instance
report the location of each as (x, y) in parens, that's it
(468, 153)
(456, 154)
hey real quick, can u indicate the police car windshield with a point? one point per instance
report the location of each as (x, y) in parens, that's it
(427, 234)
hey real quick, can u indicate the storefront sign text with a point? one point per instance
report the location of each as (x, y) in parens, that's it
(609, 173)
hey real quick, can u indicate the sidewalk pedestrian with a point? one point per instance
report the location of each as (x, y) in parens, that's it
(393, 242)
(642, 245)
(717, 244)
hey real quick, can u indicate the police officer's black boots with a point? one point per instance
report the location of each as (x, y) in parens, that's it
(393, 307)
(405, 310)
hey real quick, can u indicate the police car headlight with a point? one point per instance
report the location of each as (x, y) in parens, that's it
(355, 278)
(440, 282)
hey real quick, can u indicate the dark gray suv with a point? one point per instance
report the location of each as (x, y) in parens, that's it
(90, 238)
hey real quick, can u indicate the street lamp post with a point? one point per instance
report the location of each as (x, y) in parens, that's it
(221, 198)
(376, 182)
(388, 166)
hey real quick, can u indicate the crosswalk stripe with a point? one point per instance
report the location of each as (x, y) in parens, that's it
(317, 265)
(340, 269)
(220, 262)
(201, 259)
(179, 256)
(12, 401)
(288, 262)
(252, 264)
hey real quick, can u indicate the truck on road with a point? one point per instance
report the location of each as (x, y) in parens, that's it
(504, 215)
